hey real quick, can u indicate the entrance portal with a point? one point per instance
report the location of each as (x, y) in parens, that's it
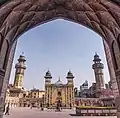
(19, 16)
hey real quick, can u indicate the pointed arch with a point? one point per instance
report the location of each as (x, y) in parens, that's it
(19, 16)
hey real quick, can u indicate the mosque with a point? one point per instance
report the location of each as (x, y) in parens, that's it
(64, 94)
(59, 93)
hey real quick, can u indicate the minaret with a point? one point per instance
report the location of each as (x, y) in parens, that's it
(48, 91)
(98, 71)
(70, 78)
(19, 74)
(48, 78)
(70, 89)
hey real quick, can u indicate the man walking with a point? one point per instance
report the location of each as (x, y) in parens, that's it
(4, 108)
(7, 110)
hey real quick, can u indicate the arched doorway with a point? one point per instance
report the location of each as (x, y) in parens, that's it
(19, 16)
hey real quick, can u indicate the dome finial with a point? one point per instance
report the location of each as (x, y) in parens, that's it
(59, 78)
(69, 69)
(48, 69)
(95, 53)
(22, 53)
(33, 87)
(59, 82)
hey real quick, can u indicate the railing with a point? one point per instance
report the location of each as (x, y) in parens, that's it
(96, 111)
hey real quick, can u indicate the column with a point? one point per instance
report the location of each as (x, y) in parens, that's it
(117, 100)
(4, 79)
(2, 75)
(111, 69)
(115, 53)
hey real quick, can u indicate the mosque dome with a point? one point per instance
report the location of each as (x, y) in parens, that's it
(48, 74)
(70, 75)
(21, 58)
(59, 82)
(96, 58)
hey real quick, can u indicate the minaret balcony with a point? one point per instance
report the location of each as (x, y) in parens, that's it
(98, 65)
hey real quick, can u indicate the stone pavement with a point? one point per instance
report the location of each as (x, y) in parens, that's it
(36, 113)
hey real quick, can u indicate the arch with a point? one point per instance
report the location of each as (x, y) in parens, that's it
(59, 93)
(19, 16)
(25, 15)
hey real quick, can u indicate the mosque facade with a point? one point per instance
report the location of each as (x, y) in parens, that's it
(59, 93)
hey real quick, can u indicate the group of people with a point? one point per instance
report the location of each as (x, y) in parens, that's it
(6, 109)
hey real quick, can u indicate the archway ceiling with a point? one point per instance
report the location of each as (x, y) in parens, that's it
(101, 16)
(3, 1)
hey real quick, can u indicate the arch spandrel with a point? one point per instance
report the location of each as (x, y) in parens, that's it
(26, 14)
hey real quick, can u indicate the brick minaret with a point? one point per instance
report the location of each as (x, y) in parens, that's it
(98, 71)
(19, 74)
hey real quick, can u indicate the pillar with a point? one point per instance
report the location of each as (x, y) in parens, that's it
(111, 69)
(4, 78)
(115, 53)
(2, 75)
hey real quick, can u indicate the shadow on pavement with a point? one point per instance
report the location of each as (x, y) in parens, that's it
(73, 115)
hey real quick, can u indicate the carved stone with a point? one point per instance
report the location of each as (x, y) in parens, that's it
(99, 15)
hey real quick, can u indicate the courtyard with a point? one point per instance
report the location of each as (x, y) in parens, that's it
(36, 113)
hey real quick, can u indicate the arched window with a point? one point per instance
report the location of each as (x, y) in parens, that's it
(59, 93)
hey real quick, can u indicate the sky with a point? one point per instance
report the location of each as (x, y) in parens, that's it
(59, 46)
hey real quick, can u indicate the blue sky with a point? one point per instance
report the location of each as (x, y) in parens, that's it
(59, 45)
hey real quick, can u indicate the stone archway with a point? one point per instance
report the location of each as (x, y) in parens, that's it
(19, 16)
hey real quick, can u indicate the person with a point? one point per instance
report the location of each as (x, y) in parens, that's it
(7, 110)
(31, 107)
(4, 108)
(41, 105)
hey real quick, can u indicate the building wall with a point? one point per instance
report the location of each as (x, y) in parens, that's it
(24, 98)
(36, 93)
(13, 101)
(87, 101)
(66, 97)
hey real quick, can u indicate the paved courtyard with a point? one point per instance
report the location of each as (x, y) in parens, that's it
(36, 113)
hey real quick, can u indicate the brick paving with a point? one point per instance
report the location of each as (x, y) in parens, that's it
(36, 113)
